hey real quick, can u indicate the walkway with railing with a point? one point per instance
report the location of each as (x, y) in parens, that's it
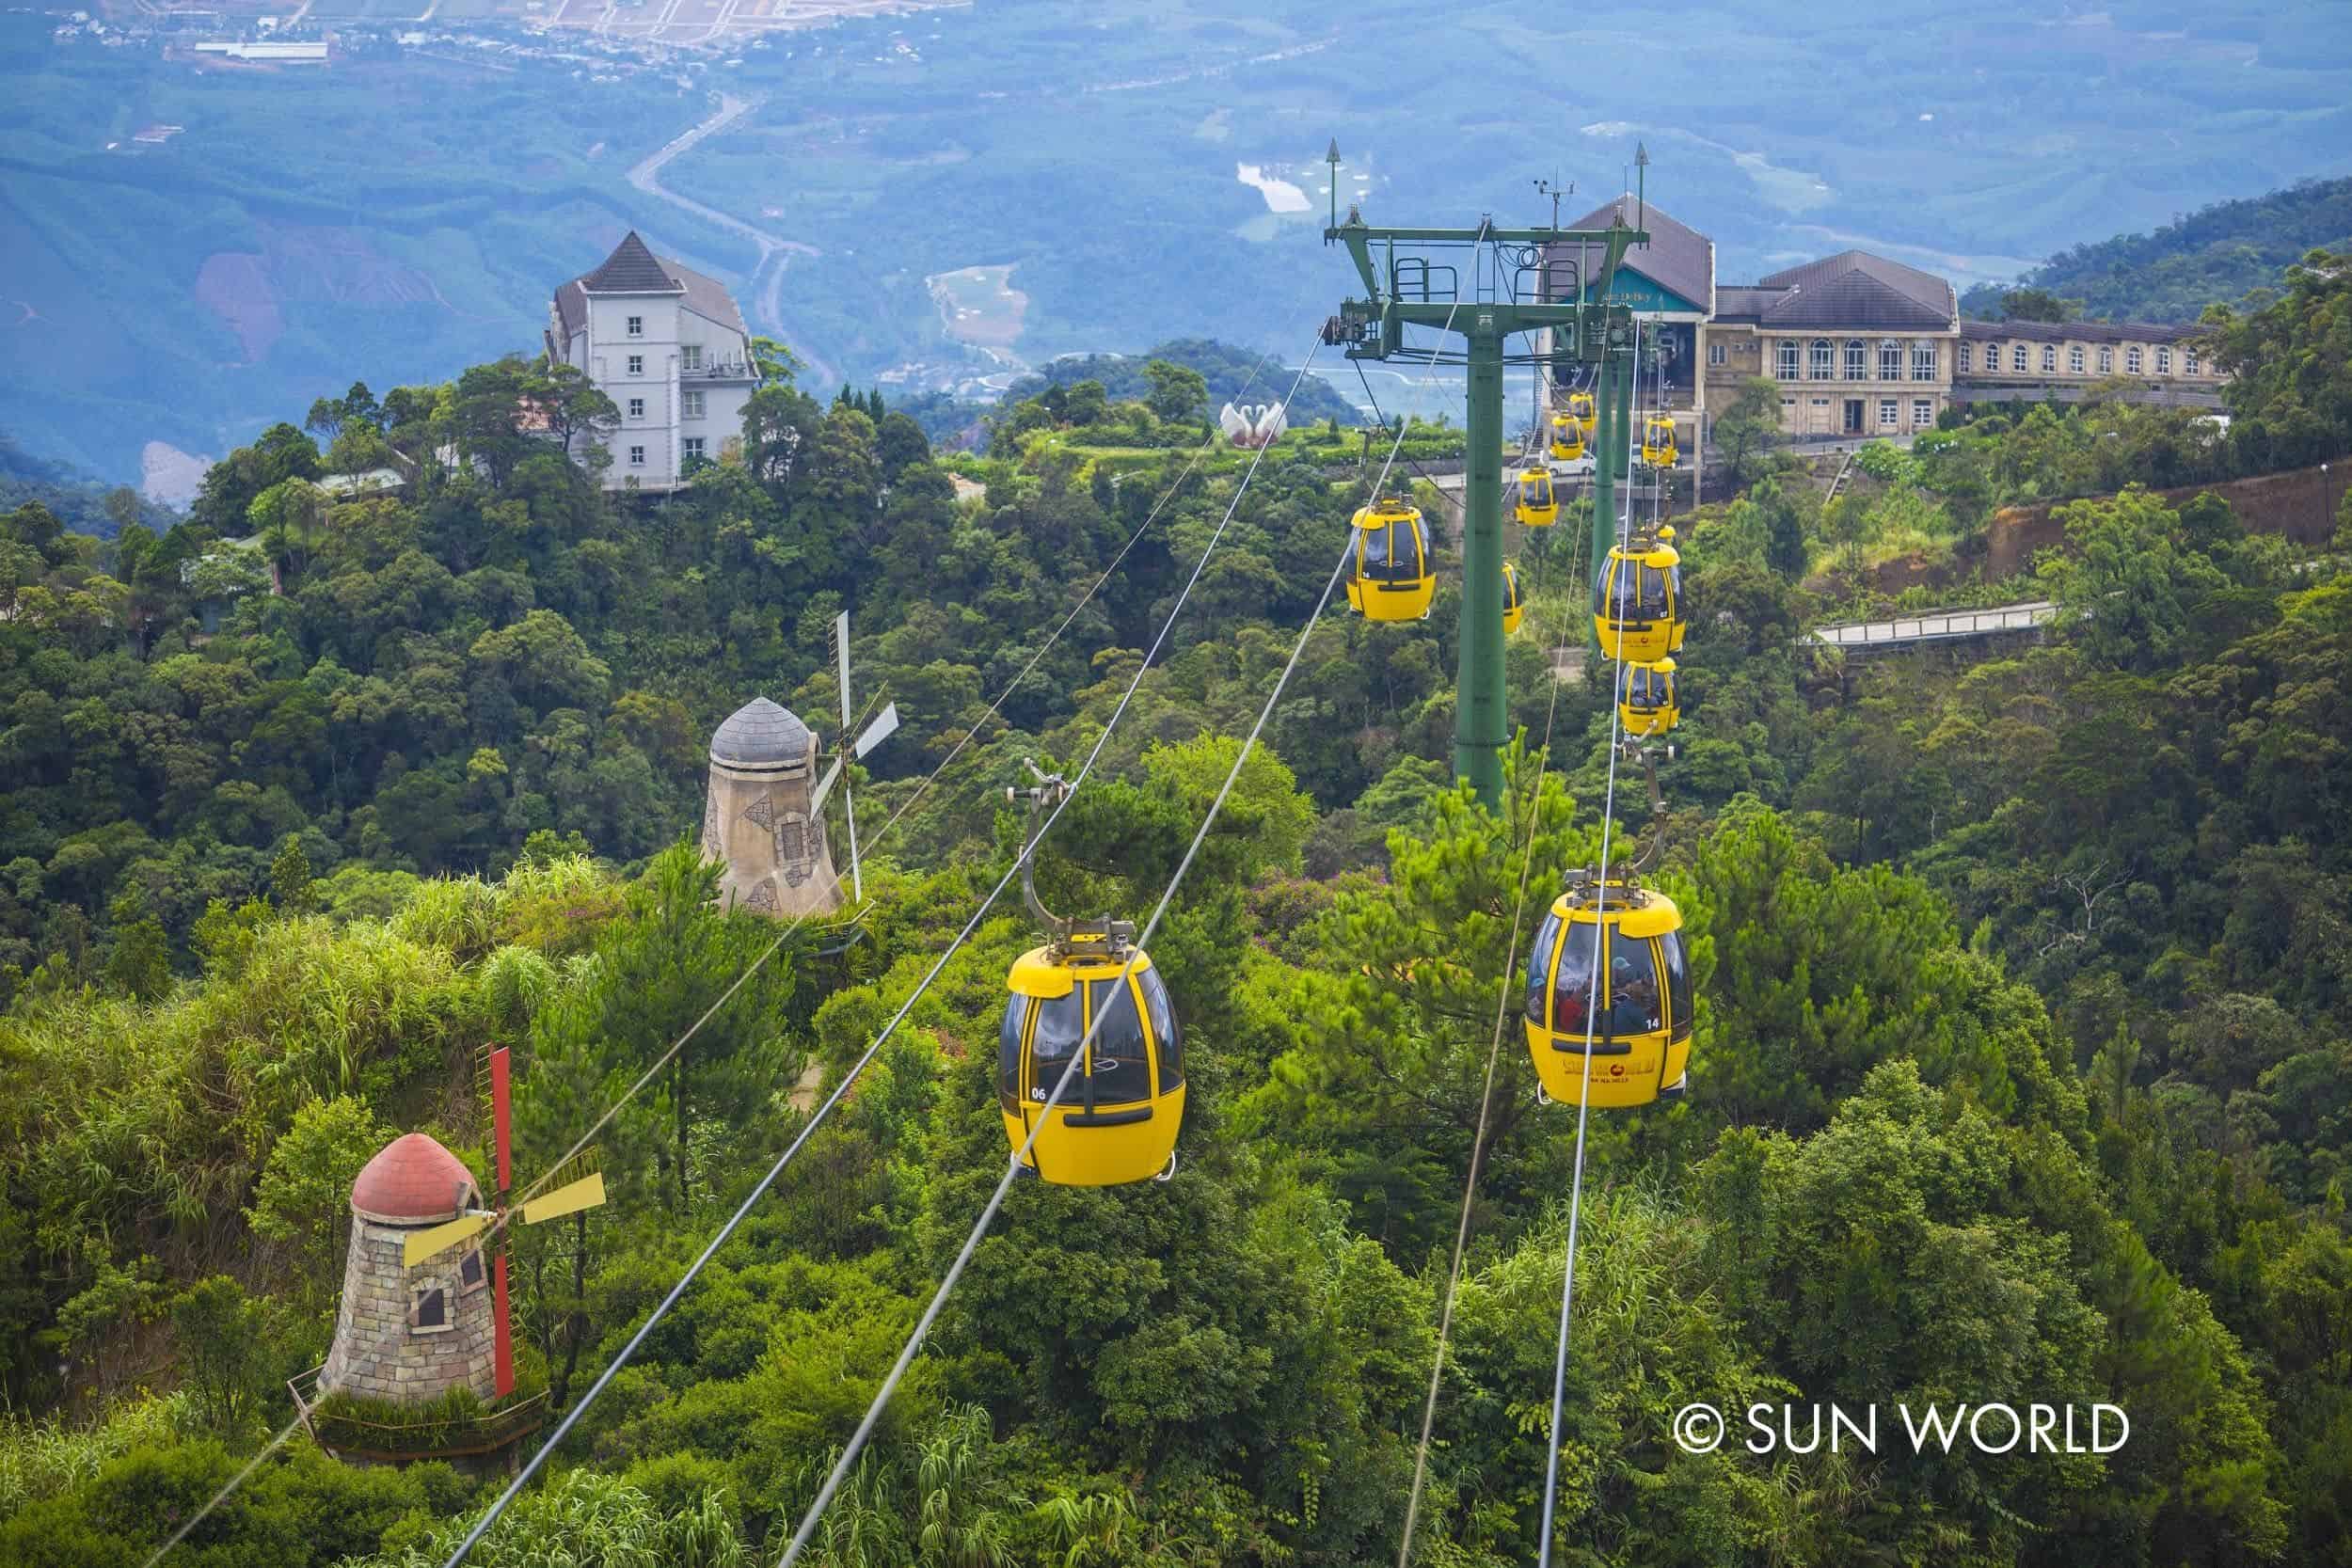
(1938, 626)
(430, 1434)
(1899, 631)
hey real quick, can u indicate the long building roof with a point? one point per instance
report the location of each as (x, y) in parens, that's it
(2080, 332)
(1852, 291)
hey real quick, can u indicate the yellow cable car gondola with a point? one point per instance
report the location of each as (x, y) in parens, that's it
(1648, 707)
(1537, 506)
(1567, 438)
(1583, 410)
(1608, 984)
(1392, 580)
(1090, 991)
(1512, 607)
(1637, 602)
(1658, 442)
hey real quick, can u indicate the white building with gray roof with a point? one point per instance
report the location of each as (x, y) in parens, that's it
(668, 346)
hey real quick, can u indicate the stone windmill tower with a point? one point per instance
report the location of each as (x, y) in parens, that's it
(411, 1335)
(425, 1306)
(761, 817)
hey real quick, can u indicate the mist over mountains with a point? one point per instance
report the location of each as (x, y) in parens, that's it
(950, 198)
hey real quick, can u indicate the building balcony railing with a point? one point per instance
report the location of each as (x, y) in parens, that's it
(433, 1433)
(731, 369)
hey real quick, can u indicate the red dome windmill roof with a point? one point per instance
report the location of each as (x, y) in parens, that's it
(412, 1178)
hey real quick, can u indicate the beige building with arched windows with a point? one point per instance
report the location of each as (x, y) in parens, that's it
(1860, 345)
(2058, 361)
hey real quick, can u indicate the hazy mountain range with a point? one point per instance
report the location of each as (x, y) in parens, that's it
(190, 251)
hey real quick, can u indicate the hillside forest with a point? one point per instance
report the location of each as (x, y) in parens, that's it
(2218, 254)
(2022, 1070)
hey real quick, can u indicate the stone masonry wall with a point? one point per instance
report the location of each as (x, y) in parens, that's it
(378, 1354)
(779, 861)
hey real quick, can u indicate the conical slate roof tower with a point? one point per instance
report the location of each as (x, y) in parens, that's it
(758, 818)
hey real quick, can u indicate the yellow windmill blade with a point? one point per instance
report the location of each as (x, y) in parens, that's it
(440, 1238)
(569, 1199)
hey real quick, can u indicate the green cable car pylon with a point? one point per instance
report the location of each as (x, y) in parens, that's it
(1520, 281)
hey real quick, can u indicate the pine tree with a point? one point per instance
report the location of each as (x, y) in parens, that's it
(140, 964)
(290, 886)
(1784, 532)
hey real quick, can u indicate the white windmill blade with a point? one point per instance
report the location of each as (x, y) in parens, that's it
(848, 800)
(824, 787)
(885, 725)
(841, 656)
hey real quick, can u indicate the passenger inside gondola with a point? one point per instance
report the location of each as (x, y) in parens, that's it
(1572, 984)
(1650, 592)
(1633, 989)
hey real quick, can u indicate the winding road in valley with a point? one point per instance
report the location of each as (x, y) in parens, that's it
(775, 251)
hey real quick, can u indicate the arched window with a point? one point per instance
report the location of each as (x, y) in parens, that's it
(2106, 360)
(1922, 359)
(1890, 360)
(1857, 360)
(1968, 355)
(1822, 362)
(2189, 361)
(1784, 359)
(2164, 361)
(2132, 360)
(2074, 359)
(2049, 359)
(2018, 358)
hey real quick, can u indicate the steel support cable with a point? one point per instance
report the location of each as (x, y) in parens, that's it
(1014, 685)
(513, 1206)
(571, 1417)
(1494, 1047)
(603, 1120)
(1019, 1158)
(1486, 1102)
(1592, 998)
(532, 1189)
(892, 822)
(1460, 511)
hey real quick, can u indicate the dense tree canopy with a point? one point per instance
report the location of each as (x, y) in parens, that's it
(2222, 252)
(2020, 1070)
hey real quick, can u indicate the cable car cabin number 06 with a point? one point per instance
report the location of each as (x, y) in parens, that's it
(1117, 1121)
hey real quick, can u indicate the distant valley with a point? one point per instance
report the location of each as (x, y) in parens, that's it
(188, 249)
